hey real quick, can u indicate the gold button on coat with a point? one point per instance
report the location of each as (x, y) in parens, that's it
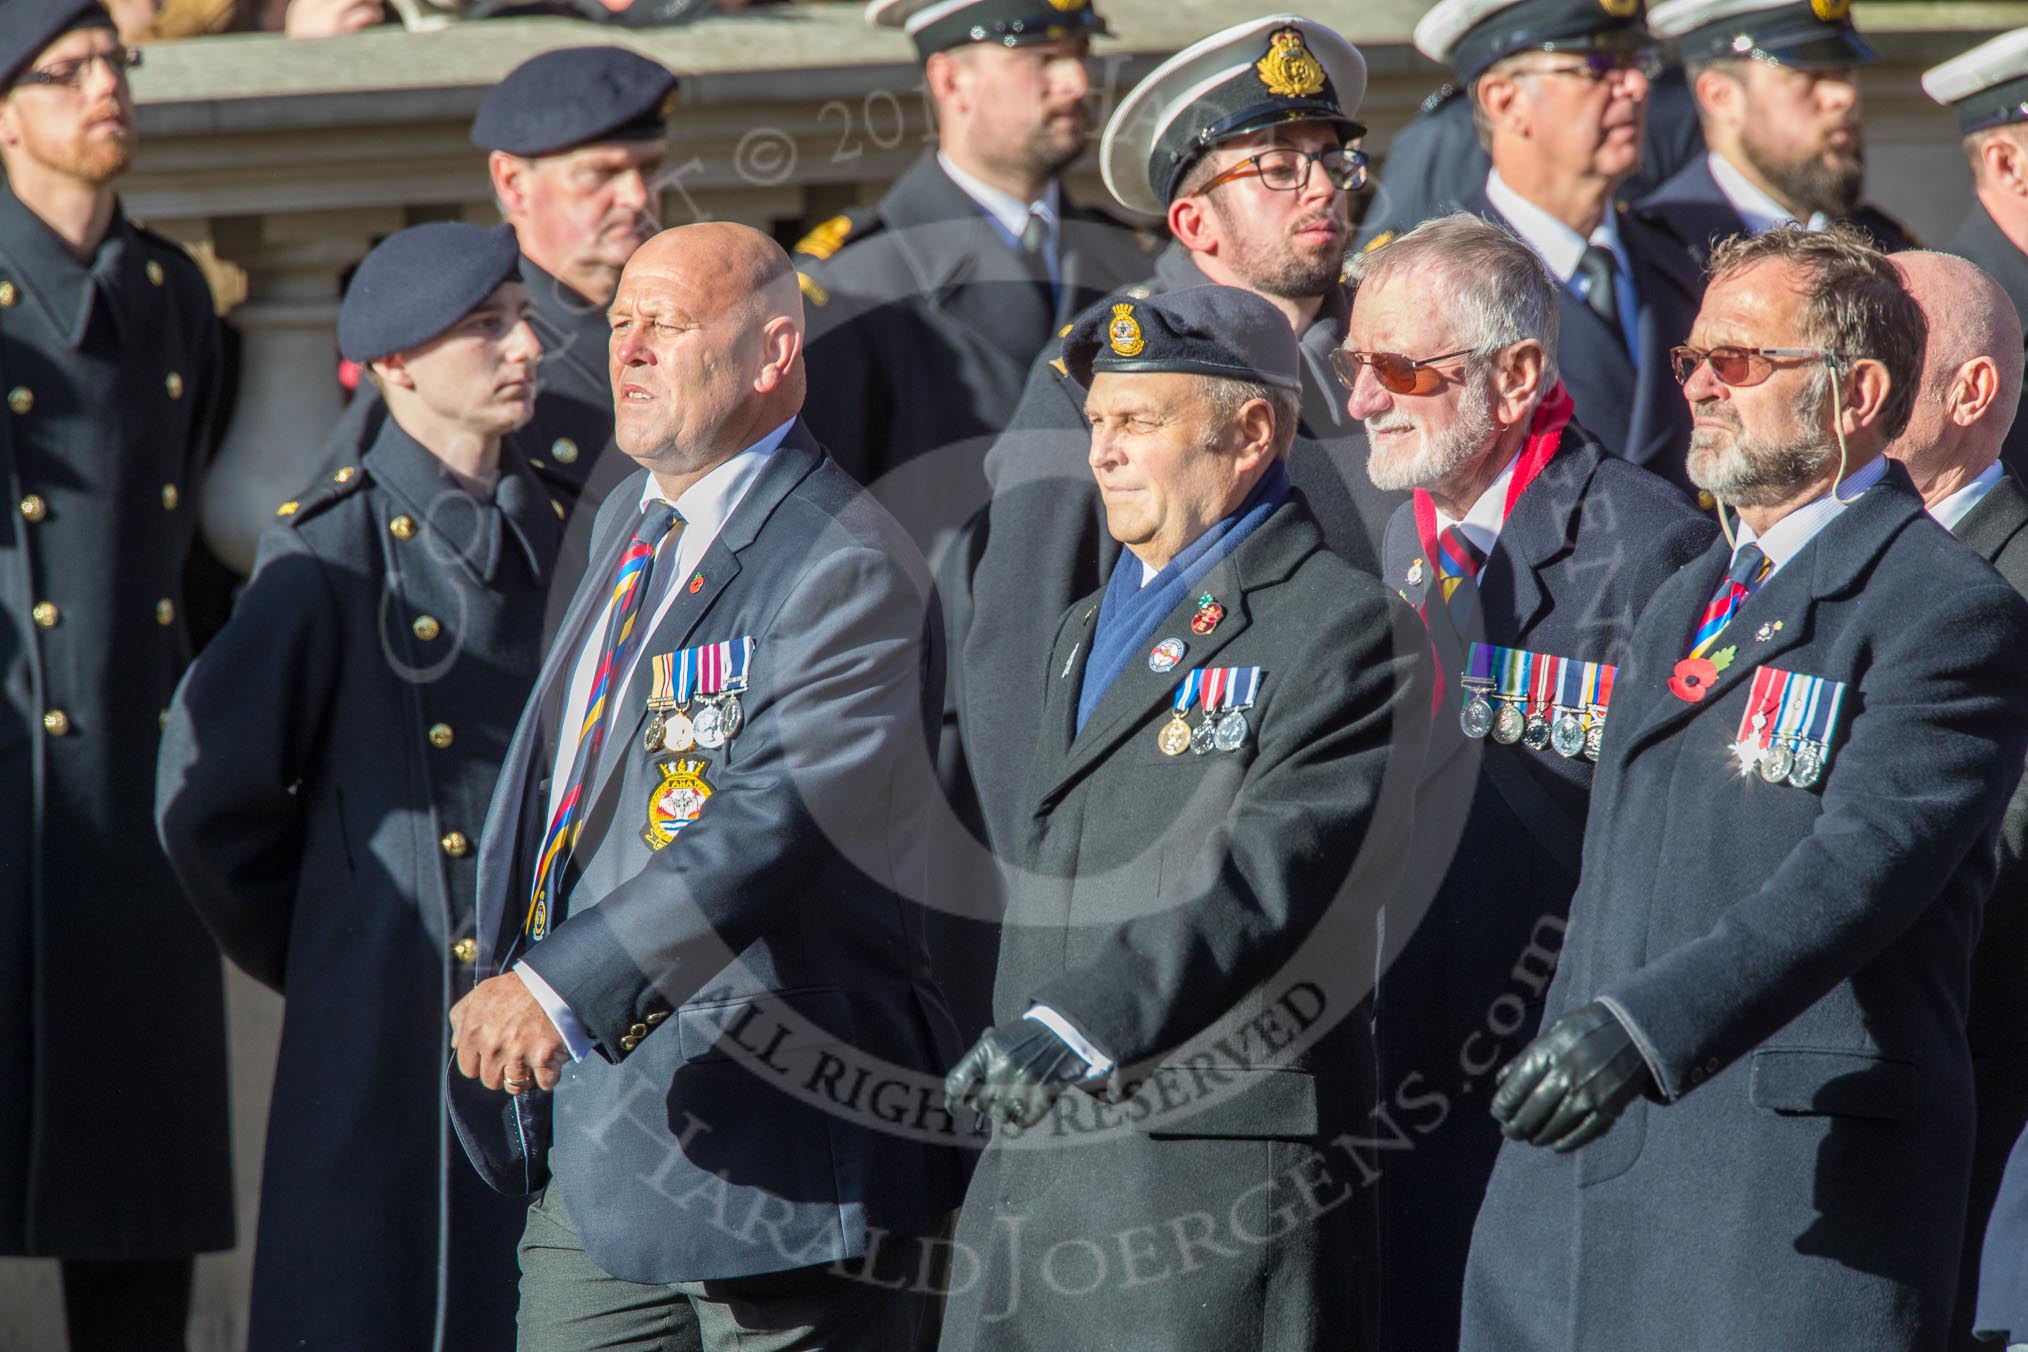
(165, 611)
(288, 508)
(564, 450)
(56, 722)
(46, 614)
(466, 951)
(9, 293)
(33, 507)
(154, 270)
(456, 845)
(344, 476)
(426, 627)
(170, 497)
(627, 1044)
(441, 736)
(162, 719)
(402, 527)
(557, 507)
(174, 384)
(21, 399)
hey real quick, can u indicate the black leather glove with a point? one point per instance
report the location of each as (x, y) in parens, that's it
(1570, 1085)
(1014, 1072)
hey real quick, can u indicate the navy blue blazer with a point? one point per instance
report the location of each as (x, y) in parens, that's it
(767, 1091)
(1497, 835)
(1792, 963)
(1637, 411)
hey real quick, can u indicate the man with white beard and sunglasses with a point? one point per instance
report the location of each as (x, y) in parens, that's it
(1778, 94)
(1529, 550)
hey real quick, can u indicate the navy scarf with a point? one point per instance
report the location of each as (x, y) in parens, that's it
(1130, 612)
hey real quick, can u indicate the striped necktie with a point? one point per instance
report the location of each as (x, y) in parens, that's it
(1749, 567)
(630, 590)
(1458, 560)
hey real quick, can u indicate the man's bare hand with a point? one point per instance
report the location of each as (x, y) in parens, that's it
(503, 1039)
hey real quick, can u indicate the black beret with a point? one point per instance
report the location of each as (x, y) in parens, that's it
(1470, 35)
(1263, 73)
(27, 26)
(1806, 34)
(420, 281)
(574, 96)
(940, 25)
(1202, 330)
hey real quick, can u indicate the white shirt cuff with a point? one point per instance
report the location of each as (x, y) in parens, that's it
(575, 1039)
(1098, 1061)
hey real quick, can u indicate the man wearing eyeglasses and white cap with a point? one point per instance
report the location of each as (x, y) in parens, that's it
(1247, 141)
(1778, 93)
(1748, 1123)
(1560, 91)
(110, 372)
(1987, 88)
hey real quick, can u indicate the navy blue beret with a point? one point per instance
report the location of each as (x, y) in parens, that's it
(574, 96)
(1202, 331)
(420, 281)
(27, 26)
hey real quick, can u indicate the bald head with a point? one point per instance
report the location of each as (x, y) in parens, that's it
(1971, 373)
(706, 354)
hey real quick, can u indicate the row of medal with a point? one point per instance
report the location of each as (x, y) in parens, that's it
(1786, 729)
(1224, 694)
(710, 678)
(1545, 703)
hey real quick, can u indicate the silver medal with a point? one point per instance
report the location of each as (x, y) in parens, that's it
(708, 727)
(1230, 734)
(1594, 736)
(1508, 723)
(1535, 733)
(1566, 735)
(677, 734)
(1476, 718)
(1776, 763)
(1204, 738)
(1809, 765)
(731, 718)
(652, 739)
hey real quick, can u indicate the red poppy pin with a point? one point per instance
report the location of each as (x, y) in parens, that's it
(1692, 678)
(697, 584)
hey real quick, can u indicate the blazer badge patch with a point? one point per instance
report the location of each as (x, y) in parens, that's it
(677, 801)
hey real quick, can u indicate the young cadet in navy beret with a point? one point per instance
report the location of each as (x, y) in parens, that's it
(574, 141)
(328, 762)
(110, 370)
(1229, 732)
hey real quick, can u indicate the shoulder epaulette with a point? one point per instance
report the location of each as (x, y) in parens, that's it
(826, 239)
(341, 484)
(1443, 94)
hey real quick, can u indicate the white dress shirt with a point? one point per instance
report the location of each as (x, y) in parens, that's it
(1561, 248)
(1483, 521)
(1760, 212)
(705, 506)
(1954, 508)
(1785, 538)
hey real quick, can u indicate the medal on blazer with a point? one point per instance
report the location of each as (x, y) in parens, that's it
(669, 729)
(676, 801)
(1225, 694)
(721, 676)
(1174, 738)
(1547, 703)
(1786, 729)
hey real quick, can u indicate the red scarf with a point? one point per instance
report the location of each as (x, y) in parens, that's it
(1545, 434)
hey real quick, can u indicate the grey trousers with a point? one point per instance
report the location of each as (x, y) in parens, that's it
(570, 1304)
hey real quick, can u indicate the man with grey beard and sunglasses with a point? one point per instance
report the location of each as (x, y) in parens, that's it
(1778, 93)
(1755, 1046)
(1529, 550)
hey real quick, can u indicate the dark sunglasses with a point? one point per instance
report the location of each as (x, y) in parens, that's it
(1397, 374)
(1739, 367)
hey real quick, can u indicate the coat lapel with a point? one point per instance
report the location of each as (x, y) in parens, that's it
(1541, 529)
(1828, 566)
(1997, 519)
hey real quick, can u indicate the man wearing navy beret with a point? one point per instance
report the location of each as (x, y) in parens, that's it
(109, 370)
(326, 766)
(574, 148)
(1228, 733)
